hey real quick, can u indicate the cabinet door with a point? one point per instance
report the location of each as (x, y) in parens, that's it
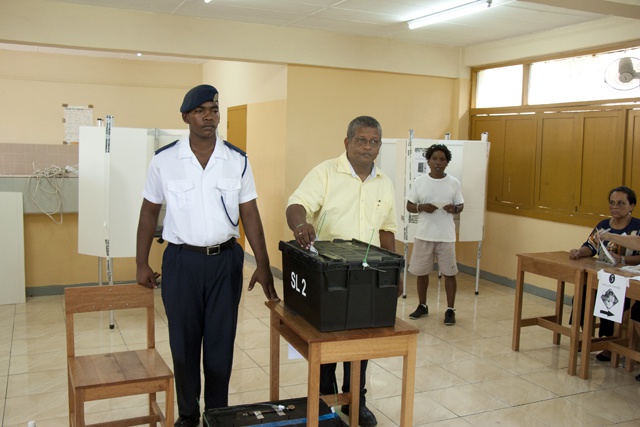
(512, 157)
(602, 159)
(519, 160)
(559, 171)
(494, 126)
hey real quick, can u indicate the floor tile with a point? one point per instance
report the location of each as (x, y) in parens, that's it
(466, 374)
(466, 400)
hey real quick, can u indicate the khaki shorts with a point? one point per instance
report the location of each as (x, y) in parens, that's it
(425, 254)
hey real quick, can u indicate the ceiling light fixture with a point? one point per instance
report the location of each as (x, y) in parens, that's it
(451, 13)
(207, 1)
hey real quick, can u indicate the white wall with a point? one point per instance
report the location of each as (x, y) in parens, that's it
(62, 24)
(603, 32)
(242, 83)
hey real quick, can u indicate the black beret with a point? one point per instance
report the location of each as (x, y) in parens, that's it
(198, 96)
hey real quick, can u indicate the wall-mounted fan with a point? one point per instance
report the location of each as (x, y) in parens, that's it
(623, 73)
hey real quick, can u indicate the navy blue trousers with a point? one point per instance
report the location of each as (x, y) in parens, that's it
(201, 295)
(329, 385)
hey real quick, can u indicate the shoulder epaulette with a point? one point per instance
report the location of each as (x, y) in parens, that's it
(242, 153)
(234, 148)
(161, 149)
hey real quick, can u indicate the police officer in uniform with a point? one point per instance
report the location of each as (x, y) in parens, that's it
(207, 185)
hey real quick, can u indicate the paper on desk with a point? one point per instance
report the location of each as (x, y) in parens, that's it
(293, 353)
(632, 269)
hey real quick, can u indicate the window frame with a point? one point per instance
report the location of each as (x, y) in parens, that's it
(623, 116)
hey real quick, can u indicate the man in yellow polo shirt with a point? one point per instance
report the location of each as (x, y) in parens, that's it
(355, 200)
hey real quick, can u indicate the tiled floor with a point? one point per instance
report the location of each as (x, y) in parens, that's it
(466, 374)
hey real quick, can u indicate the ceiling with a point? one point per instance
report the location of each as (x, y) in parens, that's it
(387, 18)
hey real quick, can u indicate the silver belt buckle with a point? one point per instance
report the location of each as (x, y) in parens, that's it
(213, 250)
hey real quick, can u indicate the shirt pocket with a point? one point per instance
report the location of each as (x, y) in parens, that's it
(181, 193)
(379, 212)
(230, 195)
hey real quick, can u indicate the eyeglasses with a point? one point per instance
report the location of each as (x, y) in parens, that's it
(373, 143)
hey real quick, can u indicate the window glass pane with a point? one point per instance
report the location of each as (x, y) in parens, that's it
(499, 87)
(581, 78)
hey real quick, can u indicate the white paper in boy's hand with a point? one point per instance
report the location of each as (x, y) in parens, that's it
(610, 258)
(440, 205)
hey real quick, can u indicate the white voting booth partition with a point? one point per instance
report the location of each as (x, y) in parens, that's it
(113, 166)
(403, 161)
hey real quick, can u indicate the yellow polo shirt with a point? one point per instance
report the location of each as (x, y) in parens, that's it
(354, 209)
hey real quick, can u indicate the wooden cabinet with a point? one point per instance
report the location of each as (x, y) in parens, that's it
(512, 158)
(560, 165)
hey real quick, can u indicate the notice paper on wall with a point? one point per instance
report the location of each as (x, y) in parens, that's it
(74, 117)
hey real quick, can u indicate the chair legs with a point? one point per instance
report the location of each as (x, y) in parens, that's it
(76, 407)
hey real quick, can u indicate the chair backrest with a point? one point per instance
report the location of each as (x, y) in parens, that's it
(87, 299)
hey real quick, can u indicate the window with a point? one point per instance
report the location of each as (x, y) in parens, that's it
(581, 78)
(560, 136)
(572, 79)
(499, 87)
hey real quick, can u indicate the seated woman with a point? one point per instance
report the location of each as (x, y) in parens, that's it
(622, 200)
(631, 242)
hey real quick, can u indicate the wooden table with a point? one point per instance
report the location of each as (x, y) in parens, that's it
(616, 344)
(352, 346)
(556, 265)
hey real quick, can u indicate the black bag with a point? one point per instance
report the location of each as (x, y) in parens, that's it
(290, 413)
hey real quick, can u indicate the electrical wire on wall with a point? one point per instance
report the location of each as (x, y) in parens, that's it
(46, 184)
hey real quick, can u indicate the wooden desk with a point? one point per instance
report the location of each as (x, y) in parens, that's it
(615, 343)
(341, 346)
(556, 265)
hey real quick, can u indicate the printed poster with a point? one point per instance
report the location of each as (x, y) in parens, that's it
(610, 296)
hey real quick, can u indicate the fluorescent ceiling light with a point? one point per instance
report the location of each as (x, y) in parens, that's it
(207, 1)
(452, 13)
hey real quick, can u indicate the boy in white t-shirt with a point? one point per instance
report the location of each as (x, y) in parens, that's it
(436, 197)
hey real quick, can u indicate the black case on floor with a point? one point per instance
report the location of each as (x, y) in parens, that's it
(259, 414)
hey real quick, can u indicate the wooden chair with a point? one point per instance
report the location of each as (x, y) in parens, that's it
(110, 375)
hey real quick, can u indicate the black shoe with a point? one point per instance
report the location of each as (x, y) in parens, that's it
(183, 421)
(601, 357)
(638, 377)
(449, 317)
(421, 311)
(365, 417)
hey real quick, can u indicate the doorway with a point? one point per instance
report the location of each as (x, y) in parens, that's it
(237, 135)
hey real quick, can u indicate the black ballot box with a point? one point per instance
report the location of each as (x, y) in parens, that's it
(290, 412)
(348, 284)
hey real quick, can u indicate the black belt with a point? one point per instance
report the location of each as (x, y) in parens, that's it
(213, 249)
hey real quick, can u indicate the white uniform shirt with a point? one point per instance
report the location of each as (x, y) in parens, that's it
(202, 205)
(437, 226)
